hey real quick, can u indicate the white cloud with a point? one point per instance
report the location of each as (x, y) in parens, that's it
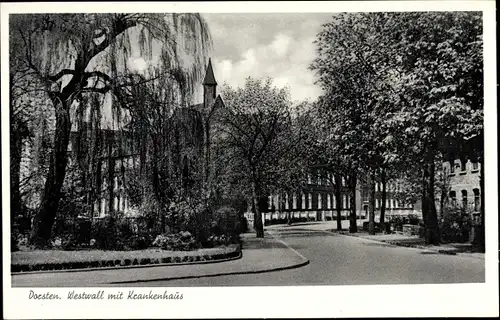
(280, 44)
(259, 46)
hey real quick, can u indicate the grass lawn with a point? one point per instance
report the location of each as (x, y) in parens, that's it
(60, 259)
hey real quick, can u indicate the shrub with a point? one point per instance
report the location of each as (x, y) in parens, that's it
(13, 242)
(413, 219)
(455, 226)
(138, 242)
(106, 235)
(182, 241)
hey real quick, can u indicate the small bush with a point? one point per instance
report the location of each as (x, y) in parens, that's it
(182, 241)
(138, 242)
(413, 219)
(13, 243)
(106, 234)
(455, 226)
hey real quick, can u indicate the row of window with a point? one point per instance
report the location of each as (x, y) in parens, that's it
(459, 165)
(119, 204)
(330, 201)
(477, 199)
(390, 187)
(323, 179)
(392, 204)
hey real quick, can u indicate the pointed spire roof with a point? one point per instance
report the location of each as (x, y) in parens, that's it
(209, 76)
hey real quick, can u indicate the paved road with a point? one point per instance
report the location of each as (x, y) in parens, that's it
(343, 260)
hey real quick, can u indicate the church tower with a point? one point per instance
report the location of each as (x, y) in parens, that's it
(209, 87)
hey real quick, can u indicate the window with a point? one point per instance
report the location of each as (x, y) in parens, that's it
(347, 202)
(475, 166)
(303, 200)
(294, 201)
(318, 177)
(396, 204)
(377, 203)
(392, 203)
(464, 198)
(287, 205)
(334, 202)
(463, 165)
(309, 178)
(453, 198)
(328, 201)
(319, 201)
(310, 200)
(477, 200)
(343, 181)
(387, 204)
(269, 202)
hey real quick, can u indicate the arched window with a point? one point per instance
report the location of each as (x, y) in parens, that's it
(464, 198)
(310, 200)
(287, 205)
(348, 202)
(294, 201)
(319, 201)
(334, 202)
(453, 198)
(477, 200)
(328, 201)
(303, 200)
(463, 164)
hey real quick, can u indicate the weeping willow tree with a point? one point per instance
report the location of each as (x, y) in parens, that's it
(77, 56)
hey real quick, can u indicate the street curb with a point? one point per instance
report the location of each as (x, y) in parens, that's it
(218, 274)
(214, 258)
(304, 262)
(397, 244)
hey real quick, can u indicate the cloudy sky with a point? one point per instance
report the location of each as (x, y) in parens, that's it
(260, 45)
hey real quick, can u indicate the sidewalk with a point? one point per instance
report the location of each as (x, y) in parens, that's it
(391, 239)
(258, 255)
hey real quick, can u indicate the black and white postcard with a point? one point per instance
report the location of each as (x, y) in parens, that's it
(249, 159)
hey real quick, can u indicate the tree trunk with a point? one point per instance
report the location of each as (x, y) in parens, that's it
(482, 232)
(429, 211)
(15, 172)
(111, 178)
(371, 205)
(338, 200)
(207, 152)
(259, 228)
(384, 198)
(353, 228)
(42, 224)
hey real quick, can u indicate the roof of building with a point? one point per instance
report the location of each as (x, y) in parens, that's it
(209, 76)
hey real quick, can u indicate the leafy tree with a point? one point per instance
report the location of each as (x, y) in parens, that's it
(75, 55)
(260, 139)
(418, 74)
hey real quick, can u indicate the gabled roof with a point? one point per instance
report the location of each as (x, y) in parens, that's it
(209, 76)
